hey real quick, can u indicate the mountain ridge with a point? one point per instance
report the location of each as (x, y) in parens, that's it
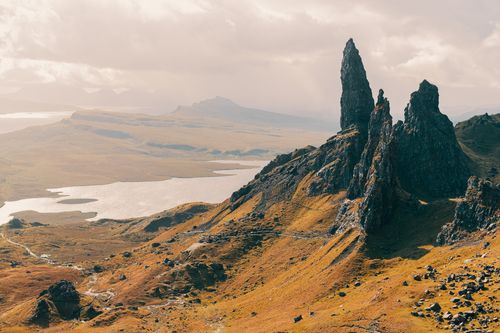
(225, 109)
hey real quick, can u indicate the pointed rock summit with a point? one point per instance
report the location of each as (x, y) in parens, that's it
(430, 162)
(356, 102)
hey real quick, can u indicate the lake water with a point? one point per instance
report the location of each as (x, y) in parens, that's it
(10, 122)
(134, 199)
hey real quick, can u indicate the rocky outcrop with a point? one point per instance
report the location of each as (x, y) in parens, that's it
(381, 184)
(189, 276)
(60, 301)
(16, 223)
(379, 165)
(379, 130)
(430, 162)
(330, 165)
(356, 102)
(480, 209)
(372, 193)
(173, 217)
(41, 314)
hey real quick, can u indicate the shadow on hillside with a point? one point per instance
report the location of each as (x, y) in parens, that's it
(409, 231)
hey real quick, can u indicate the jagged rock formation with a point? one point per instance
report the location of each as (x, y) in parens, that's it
(480, 209)
(331, 164)
(356, 102)
(379, 129)
(60, 301)
(379, 165)
(374, 187)
(430, 162)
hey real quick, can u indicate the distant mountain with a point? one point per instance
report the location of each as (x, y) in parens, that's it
(463, 116)
(224, 109)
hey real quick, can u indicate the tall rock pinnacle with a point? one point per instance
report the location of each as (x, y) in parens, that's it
(430, 162)
(356, 102)
(373, 188)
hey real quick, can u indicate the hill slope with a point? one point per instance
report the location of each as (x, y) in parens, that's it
(479, 137)
(327, 239)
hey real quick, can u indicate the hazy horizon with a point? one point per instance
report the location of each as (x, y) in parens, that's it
(281, 56)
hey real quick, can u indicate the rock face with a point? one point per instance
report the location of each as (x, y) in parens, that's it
(430, 162)
(356, 102)
(379, 131)
(380, 185)
(331, 167)
(373, 190)
(41, 314)
(480, 209)
(59, 301)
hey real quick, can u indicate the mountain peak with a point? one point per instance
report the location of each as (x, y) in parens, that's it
(216, 101)
(356, 102)
(442, 168)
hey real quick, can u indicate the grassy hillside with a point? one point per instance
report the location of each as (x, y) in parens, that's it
(479, 138)
(285, 273)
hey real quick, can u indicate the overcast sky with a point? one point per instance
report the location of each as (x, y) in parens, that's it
(280, 55)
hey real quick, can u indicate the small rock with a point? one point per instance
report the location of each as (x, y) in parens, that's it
(435, 307)
(98, 269)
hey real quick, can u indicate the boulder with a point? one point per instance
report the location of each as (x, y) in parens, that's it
(41, 313)
(65, 298)
(60, 301)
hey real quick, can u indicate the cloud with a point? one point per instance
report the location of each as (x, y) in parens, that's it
(493, 40)
(278, 54)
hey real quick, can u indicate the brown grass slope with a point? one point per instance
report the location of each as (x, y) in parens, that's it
(279, 266)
